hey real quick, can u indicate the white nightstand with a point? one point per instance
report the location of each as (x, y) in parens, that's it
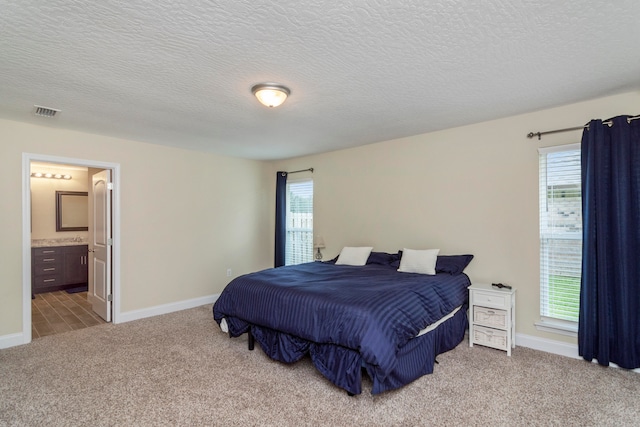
(492, 317)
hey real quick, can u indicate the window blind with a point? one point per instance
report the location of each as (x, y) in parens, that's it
(560, 232)
(299, 241)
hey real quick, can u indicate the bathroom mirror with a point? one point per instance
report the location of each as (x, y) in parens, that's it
(72, 211)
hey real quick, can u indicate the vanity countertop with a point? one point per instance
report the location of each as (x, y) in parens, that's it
(67, 241)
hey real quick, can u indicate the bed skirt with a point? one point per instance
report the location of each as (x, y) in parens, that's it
(343, 366)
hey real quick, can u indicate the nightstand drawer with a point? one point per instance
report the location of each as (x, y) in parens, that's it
(492, 299)
(490, 337)
(490, 317)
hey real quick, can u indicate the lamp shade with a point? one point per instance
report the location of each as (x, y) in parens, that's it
(318, 242)
(270, 95)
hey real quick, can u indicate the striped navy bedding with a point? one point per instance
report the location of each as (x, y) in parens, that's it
(372, 310)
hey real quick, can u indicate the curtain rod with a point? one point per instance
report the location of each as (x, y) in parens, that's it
(539, 134)
(301, 170)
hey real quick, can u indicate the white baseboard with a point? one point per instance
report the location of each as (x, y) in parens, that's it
(166, 308)
(555, 347)
(547, 345)
(11, 340)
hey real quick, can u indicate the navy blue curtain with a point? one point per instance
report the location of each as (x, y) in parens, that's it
(281, 218)
(609, 323)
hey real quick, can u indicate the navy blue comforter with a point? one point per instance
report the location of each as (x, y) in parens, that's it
(373, 309)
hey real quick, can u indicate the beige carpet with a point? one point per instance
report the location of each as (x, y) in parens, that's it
(179, 369)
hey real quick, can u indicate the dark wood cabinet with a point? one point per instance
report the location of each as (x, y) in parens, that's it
(58, 267)
(46, 269)
(76, 270)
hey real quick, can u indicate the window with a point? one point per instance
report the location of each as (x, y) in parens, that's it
(299, 243)
(560, 233)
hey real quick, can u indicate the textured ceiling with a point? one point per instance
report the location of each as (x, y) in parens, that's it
(179, 72)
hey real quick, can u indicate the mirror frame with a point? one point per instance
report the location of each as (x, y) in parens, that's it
(59, 210)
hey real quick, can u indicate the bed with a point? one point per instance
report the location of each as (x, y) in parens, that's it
(352, 318)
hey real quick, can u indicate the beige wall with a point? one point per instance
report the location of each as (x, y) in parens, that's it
(186, 216)
(472, 189)
(43, 200)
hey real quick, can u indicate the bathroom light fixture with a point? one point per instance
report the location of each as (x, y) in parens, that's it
(270, 94)
(50, 175)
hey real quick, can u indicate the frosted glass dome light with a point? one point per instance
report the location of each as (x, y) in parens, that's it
(270, 95)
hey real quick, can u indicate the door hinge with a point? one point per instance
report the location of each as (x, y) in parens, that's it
(109, 241)
(110, 297)
(109, 185)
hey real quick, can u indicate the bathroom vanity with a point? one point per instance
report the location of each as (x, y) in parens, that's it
(58, 267)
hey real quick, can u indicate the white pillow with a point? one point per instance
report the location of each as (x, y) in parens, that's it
(354, 255)
(419, 261)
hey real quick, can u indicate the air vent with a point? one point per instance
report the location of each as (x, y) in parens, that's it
(45, 111)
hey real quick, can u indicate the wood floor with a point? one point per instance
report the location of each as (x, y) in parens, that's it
(56, 312)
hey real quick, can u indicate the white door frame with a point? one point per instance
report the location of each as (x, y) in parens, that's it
(27, 158)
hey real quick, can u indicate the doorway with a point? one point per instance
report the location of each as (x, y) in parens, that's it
(60, 298)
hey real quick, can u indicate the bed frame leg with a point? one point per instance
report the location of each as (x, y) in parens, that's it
(350, 394)
(251, 340)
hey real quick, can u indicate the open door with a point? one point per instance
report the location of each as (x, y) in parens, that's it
(100, 244)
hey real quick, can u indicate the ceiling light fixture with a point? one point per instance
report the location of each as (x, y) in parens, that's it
(270, 94)
(50, 175)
